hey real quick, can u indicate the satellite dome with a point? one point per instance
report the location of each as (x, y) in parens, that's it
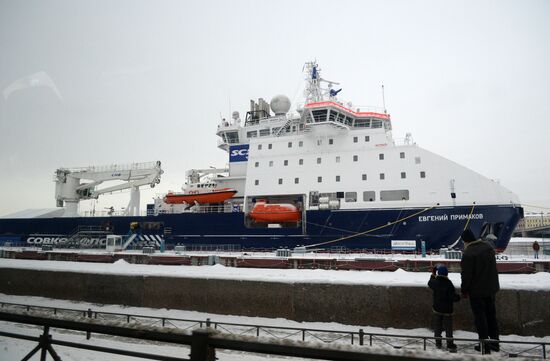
(280, 104)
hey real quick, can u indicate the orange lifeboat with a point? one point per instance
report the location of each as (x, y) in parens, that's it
(209, 196)
(275, 213)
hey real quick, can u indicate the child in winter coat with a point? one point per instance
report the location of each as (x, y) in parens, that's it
(443, 297)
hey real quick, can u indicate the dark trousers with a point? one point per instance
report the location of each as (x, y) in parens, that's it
(440, 323)
(485, 317)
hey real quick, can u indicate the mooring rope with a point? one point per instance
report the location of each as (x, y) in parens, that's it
(370, 230)
(469, 216)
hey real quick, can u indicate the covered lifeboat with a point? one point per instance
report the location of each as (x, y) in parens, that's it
(202, 196)
(275, 212)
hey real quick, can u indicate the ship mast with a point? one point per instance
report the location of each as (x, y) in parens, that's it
(313, 91)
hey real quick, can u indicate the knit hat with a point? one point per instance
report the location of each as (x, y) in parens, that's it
(442, 270)
(468, 235)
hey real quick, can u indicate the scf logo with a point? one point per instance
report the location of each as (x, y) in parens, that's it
(238, 153)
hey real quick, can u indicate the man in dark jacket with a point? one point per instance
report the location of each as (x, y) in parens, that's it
(443, 297)
(480, 284)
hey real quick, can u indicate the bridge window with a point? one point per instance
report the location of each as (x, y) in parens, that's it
(232, 137)
(376, 123)
(252, 134)
(351, 196)
(333, 116)
(362, 123)
(319, 115)
(369, 196)
(270, 146)
(395, 195)
(264, 132)
(349, 121)
(341, 117)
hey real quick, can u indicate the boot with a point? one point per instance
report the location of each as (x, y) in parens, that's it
(451, 347)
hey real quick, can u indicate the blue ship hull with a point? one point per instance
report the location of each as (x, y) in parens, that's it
(354, 229)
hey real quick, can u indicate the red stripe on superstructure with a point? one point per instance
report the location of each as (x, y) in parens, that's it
(361, 114)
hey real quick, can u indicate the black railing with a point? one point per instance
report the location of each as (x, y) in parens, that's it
(203, 342)
(281, 333)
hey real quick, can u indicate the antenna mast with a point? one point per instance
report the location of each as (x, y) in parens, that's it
(384, 100)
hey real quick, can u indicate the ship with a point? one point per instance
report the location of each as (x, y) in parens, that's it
(328, 175)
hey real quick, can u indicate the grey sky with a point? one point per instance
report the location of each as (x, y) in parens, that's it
(147, 80)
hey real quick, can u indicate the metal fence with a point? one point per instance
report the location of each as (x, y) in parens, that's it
(280, 333)
(203, 342)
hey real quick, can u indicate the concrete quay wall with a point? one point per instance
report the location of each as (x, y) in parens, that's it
(520, 312)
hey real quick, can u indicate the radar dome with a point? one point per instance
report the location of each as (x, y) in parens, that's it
(280, 104)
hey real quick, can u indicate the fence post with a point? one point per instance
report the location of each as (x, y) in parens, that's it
(200, 351)
(361, 336)
(88, 333)
(207, 322)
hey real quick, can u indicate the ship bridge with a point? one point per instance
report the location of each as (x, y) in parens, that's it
(334, 113)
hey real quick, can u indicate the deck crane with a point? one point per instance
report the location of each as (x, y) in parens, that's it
(196, 175)
(75, 184)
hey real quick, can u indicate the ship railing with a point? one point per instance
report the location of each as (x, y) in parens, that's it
(352, 107)
(240, 335)
(115, 167)
(213, 209)
(107, 213)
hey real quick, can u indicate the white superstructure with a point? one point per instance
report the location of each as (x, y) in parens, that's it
(342, 153)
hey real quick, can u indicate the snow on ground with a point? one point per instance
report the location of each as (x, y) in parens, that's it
(11, 349)
(536, 281)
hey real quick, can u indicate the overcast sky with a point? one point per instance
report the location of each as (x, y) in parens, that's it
(133, 81)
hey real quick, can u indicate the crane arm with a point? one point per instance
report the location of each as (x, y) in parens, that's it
(137, 183)
(69, 189)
